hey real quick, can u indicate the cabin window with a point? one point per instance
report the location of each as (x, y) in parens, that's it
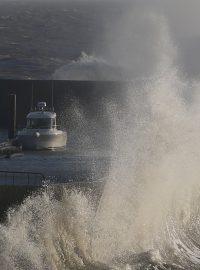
(43, 123)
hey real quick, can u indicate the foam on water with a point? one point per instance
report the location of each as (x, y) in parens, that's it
(149, 212)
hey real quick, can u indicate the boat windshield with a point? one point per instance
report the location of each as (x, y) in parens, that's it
(42, 123)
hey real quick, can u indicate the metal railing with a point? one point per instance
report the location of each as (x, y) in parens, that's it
(18, 178)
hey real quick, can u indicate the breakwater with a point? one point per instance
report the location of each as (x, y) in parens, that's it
(88, 93)
(80, 105)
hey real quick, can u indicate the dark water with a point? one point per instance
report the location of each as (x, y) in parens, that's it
(69, 164)
(38, 38)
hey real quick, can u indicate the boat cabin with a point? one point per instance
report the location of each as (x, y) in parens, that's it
(41, 118)
(41, 130)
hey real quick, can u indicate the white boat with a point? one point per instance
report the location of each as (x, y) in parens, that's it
(41, 131)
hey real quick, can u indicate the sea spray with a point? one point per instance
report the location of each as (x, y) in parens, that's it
(44, 233)
(155, 175)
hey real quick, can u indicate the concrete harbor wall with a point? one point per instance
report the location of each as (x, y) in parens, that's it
(88, 93)
(12, 196)
(72, 99)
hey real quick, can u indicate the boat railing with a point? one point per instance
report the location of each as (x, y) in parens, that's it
(21, 178)
(45, 109)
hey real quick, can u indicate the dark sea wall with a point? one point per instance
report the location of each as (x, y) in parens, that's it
(88, 93)
(12, 196)
(80, 105)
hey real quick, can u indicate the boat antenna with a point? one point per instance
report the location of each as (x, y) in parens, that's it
(52, 107)
(32, 97)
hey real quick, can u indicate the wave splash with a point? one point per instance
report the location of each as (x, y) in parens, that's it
(89, 67)
(151, 200)
(62, 235)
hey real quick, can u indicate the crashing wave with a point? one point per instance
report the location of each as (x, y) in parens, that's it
(91, 68)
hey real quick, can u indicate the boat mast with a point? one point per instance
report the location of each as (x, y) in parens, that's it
(52, 107)
(11, 116)
(32, 97)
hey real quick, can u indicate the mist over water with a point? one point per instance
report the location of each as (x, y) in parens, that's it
(151, 197)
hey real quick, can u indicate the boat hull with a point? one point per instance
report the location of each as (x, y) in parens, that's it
(39, 141)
